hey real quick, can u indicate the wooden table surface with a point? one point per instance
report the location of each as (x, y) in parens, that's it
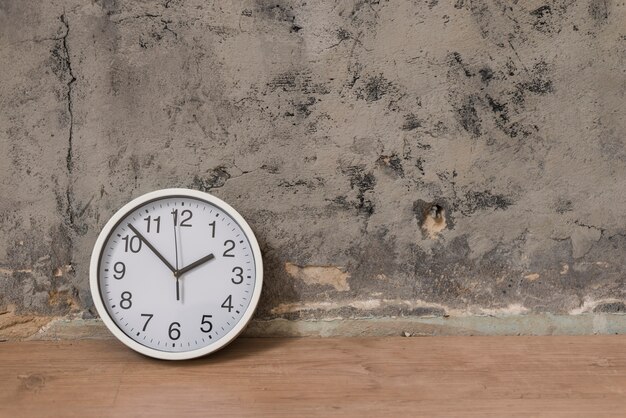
(431, 376)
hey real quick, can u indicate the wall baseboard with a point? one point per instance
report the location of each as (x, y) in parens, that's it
(532, 324)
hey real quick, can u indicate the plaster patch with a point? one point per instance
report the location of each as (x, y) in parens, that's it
(324, 275)
(374, 304)
(582, 240)
(17, 327)
(366, 304)
(512, 309)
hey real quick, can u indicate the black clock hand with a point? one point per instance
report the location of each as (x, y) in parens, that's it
(176, 272)
(154, 250)
(194, 264)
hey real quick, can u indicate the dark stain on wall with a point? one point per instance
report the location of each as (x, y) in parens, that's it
(468, 116)
(540, 83)
(411, 122)
(599, 10)
(375, 88)
(363, 182)
(543, 17)
(276, 11)
(611, 307)
(474, 201)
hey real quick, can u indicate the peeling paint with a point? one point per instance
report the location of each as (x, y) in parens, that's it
(323, 275)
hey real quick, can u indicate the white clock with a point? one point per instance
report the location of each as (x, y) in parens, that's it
(176, 274)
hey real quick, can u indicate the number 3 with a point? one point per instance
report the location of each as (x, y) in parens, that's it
(240, 275)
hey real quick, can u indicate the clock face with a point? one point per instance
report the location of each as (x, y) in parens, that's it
(178, 274)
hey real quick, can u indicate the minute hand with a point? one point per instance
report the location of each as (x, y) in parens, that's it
(154, 250)
(195, 264)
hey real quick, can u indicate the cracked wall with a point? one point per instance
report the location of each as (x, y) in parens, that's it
(396, 159)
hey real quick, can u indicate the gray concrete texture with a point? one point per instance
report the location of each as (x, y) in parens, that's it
(395, 158)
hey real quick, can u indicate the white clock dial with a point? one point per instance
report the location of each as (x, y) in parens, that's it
(177, 274)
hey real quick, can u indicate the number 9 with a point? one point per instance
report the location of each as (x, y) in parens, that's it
(120, 269)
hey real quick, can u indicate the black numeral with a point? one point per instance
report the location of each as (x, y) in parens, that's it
(230, 243)
(147, 320)
(184, 221)
(157, 221)
(174, 331)
(205, 321)
(133, 243)
(119, 268)
(239, 274)
(228, 303)
(182, 215)
(212, 225)
(126, 302)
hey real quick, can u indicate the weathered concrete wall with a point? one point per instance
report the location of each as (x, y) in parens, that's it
(445, 159)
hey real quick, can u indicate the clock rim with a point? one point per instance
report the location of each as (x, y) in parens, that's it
(106, 232)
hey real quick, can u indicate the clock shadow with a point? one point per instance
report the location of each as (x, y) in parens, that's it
(240, 349)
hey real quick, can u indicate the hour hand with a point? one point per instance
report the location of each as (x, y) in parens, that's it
(194, 264)
(154, 250)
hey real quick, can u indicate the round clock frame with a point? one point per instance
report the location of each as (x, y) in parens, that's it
(103, 238)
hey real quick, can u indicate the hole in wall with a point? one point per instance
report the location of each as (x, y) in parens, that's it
(432, 218)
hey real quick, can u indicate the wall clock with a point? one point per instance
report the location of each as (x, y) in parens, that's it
(176, 274)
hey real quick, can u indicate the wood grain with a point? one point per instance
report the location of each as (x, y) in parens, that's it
(433, 376)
